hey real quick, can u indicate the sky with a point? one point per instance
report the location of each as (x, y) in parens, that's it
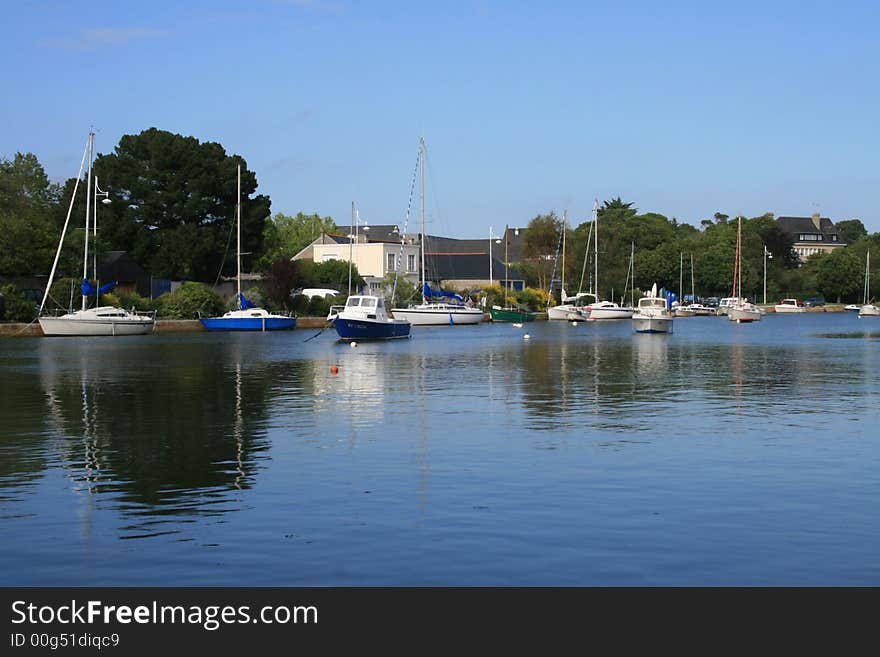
(682, 108)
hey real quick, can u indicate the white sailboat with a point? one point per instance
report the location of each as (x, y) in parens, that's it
(868, 309)
(430, 313)
(576, 307)
(98, 320)
(603, 309)
(681, 310)
(741, 310)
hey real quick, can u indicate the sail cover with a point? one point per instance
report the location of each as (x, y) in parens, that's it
(88, 289)
(427, 292)
(244, 303)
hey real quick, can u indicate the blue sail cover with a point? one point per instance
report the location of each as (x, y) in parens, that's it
(427, 292)
(88, 289)
(244, 303)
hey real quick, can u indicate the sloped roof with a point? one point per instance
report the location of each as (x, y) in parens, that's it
(795, 226)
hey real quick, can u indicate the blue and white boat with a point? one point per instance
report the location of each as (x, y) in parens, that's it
(364, 318)
(247, 317)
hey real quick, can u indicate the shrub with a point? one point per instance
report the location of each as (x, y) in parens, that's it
(190, 301)
(15, 307)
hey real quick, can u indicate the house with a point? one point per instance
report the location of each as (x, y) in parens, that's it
(811, 235)
(376, 251)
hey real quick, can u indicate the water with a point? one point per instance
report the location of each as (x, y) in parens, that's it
(721, 455)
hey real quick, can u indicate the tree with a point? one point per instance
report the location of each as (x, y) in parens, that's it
(851, 230)
(539, 245)
(839, 274)
(27, 200)
(283, 276)
(174, 201)
(285, 236)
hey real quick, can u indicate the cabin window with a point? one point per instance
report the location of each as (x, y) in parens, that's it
(380, 303)
(354, 301)
(369, 303)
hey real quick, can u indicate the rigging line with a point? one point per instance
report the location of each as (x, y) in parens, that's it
(412, 187)
(226, 251)
(586, 254)
(439, 213)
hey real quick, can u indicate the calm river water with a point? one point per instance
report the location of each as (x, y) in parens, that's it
(720, 455)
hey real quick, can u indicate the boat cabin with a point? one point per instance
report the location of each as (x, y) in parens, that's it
(368, 307)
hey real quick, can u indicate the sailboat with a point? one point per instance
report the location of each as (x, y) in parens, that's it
(603, 309)
(699, 309)
(570, 308)
(509, 313)
(430, 313)
(98, 320)
(248, 317)
(868, 309)
(682, 310)
(741, 310)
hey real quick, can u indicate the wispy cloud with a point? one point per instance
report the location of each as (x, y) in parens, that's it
(329, 6)
(103, 36)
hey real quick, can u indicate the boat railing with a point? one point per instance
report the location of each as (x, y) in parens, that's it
(334, 311)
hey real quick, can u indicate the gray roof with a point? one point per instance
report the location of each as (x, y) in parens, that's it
(795, 226)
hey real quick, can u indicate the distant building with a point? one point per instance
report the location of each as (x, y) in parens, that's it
(811, 235)
(119, 266)
(375, 251)
(467, 264)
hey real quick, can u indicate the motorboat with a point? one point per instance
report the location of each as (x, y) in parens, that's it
(790, 306)
(364, 318)
(652, 314)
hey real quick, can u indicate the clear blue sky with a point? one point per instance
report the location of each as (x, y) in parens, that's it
(684, 108)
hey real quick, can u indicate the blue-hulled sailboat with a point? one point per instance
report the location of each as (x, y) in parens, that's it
(248, 317)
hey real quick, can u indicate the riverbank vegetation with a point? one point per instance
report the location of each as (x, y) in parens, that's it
(173, 207)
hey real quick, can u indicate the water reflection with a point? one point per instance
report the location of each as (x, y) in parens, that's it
(171, 434)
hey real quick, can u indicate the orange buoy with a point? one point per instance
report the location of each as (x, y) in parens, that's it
(334, 369)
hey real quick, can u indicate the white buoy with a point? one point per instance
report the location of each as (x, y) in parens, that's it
(527, 337)
(354, 344)
(574, 323)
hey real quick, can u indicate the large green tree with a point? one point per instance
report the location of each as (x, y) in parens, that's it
(851, 230)
(539, 244)
(27, 203)
(174, 204)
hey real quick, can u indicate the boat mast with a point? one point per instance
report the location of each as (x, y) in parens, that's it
(95, 246)
(562, 289)
(422, 202)
(596, 245)
(88, 208)
(693, 293)
(736, 262)
(238, 221)
(506, 282)
(867, 278)
(680, 276)
(350, 242)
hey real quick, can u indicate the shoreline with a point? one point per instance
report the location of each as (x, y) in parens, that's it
(14, 330)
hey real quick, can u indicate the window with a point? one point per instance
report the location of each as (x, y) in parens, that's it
(810, 237)
(353, 301)
(389, 266)
(369, 303)
(330, 256)
(410, 262)
(834, 238)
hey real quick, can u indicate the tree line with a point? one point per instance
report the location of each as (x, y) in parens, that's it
(663, 248)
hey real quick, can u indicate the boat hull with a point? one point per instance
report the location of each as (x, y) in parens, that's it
(741, 315)
(439, 317)
(507, 315)
(60, 326)
(789, 309)
(567, 312)
(611, 313)
(651, 324)
(365, 329)
(869, 310)
(248, 323)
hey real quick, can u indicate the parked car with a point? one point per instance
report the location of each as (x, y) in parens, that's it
(814, 302)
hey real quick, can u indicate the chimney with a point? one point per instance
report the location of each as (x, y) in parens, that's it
(817, 222)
